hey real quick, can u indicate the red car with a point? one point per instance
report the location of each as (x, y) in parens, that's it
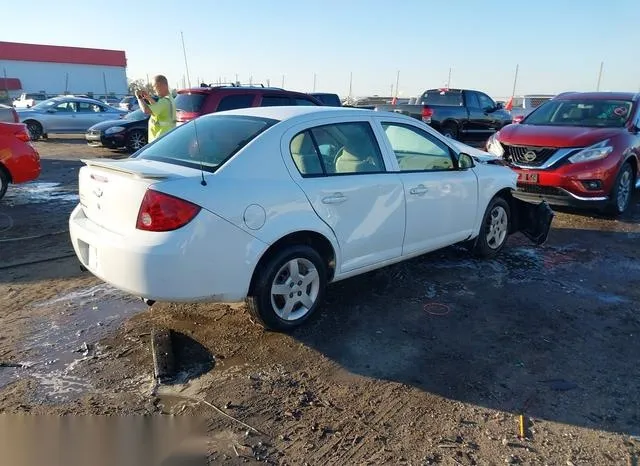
(191, 103)
(19, 160)
(578, 149)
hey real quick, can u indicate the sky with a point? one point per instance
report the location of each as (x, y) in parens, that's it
(557, 45)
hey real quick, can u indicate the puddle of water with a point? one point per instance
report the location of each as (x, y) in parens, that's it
(39, 193)
(57, 343)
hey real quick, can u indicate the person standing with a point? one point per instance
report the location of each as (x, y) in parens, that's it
(162, 111)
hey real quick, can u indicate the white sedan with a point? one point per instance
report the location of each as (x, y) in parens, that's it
(272, 204)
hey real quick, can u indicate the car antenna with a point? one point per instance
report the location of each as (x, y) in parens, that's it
(203, 182)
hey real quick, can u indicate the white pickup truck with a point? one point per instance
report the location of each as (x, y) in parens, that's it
(29, 99)
(525, 104)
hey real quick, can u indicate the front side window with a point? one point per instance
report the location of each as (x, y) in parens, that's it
(416, 150)
(485, 101)
(337, 149)
(206, 142)
(66, 107)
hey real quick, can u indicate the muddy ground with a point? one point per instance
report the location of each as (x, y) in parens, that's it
(427, 362)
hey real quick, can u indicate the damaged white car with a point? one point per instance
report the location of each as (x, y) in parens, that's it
(273, 204)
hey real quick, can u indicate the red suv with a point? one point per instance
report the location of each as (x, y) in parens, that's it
(576, 149)
(191, 103)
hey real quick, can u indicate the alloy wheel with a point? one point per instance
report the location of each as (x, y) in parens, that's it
(295, 289)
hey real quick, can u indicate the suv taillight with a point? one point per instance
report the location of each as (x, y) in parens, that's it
(163, 212)
(427, 113)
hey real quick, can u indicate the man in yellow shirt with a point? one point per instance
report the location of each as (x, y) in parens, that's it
(163, 112)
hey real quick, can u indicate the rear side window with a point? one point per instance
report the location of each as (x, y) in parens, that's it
(207, 142)
(189, 102)
(303, 101)
(337, 149)
(232, 102)
(275, 101)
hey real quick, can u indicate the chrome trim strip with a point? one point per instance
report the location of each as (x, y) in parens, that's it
(581, 198)
(559, 155)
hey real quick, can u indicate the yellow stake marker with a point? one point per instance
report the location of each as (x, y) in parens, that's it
(522, 433)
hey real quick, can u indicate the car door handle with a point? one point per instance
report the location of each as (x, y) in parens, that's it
(337, 198)
(419, 190)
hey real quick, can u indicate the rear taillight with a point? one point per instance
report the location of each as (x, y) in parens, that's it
(23, 135)
(162, 212)
(427, 113)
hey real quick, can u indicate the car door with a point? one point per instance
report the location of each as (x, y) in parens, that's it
(61, 117)
(90, 113)
(339, 166)
(441, 199)
(476, 127)
(493, 116)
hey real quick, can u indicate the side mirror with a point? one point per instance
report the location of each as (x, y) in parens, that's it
(499, 106)
(465, 161)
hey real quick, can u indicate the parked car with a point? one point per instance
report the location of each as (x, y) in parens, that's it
(579, 149)
(191, 103)
(29, 99)
(19, 160)
(272, 204)
(130, 132)
(129, 103)
(332, 100)
(66, 115)
(456, 113)
(110, 100)
(8, 114)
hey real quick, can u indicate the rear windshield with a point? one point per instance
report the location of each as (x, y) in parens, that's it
(436, 97)
(595, 113)
(206, 142)
(189, 102)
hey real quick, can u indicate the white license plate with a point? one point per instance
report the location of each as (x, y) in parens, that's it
(93, 258)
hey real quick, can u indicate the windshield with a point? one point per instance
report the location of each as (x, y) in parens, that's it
(206, 142)
(136, 115)
(595, 113)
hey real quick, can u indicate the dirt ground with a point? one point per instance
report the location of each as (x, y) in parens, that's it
(427, 362)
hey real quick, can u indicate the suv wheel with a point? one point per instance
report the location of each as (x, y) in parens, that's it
(622, 192)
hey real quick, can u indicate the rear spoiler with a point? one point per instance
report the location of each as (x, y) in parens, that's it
(116, 165)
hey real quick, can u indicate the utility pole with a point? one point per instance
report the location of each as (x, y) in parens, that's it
(449, 79)
(600, 75)
(515, 80)
(268, 82)
(184, 51)
(397, 82)
(282, 82)
(314, 82)
(350, 84)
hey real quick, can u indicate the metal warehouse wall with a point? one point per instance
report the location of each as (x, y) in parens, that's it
(50, 77)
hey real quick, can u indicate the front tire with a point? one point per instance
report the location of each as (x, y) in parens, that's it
(622, 192)
(4, 182)
(494, 229)
(288, 288)
(136, 140)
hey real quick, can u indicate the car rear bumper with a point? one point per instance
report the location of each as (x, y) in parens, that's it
(186, 265)
(24, 163)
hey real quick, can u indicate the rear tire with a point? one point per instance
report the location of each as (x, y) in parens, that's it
(623, 190)
(136, 140)
(35, 129)
(494, 230)
(288, 289)
(450, 130)
(4, 182)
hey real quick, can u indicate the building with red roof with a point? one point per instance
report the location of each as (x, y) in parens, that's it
(53, 69)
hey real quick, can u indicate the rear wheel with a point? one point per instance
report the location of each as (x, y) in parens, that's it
(289, 288)
(4, 182)
(450, 130)
(136, 140)
(35, 129)
(622, 193)
(494, 229)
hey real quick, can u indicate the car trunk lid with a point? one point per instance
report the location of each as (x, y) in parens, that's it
(111, 191)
